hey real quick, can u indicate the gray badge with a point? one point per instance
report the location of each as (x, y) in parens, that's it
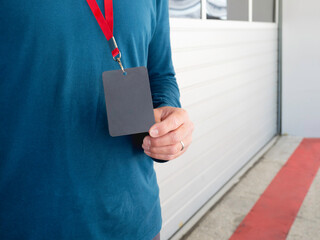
(128, 101)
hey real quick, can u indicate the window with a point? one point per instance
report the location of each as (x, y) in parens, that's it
(185, 8)
(263, 10)
(236, 10)
(216, 9)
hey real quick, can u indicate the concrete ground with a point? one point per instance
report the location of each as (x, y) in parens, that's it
(223, 219)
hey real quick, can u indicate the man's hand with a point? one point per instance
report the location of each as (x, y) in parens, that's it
(172, 126)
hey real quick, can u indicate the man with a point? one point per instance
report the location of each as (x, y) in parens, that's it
(62, 176)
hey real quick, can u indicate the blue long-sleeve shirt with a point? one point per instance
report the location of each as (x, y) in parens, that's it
(61, 174)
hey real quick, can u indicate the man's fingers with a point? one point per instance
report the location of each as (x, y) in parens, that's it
(172, 126)
(165, 156)
(170, 138)
(170, 149)
(171, 122)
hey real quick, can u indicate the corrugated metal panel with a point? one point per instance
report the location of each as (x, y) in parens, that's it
(227, 74)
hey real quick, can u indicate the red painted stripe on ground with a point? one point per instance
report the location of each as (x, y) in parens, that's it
(273, 214)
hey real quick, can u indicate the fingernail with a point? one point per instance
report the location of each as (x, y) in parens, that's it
(154, 132)
(147, 142)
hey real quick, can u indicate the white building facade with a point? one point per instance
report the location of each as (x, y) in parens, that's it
(227, 71)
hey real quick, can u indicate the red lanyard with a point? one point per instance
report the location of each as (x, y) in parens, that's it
(106, 25)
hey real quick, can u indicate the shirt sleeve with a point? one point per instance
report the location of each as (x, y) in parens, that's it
(164, 87)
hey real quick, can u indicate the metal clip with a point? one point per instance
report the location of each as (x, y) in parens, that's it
(113, 45)
(120, 64)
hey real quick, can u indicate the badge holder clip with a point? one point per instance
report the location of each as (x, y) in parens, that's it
(114, 47)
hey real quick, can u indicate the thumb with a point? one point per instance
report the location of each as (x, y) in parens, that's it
(157, 114)
(162, 113)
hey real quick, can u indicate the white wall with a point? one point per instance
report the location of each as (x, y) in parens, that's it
(227, 74)
(301, 68)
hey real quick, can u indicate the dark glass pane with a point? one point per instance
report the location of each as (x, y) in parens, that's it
(263, 10)
(185, 8)
(237, 10)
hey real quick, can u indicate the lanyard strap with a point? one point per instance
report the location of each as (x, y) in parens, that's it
(106, 25)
